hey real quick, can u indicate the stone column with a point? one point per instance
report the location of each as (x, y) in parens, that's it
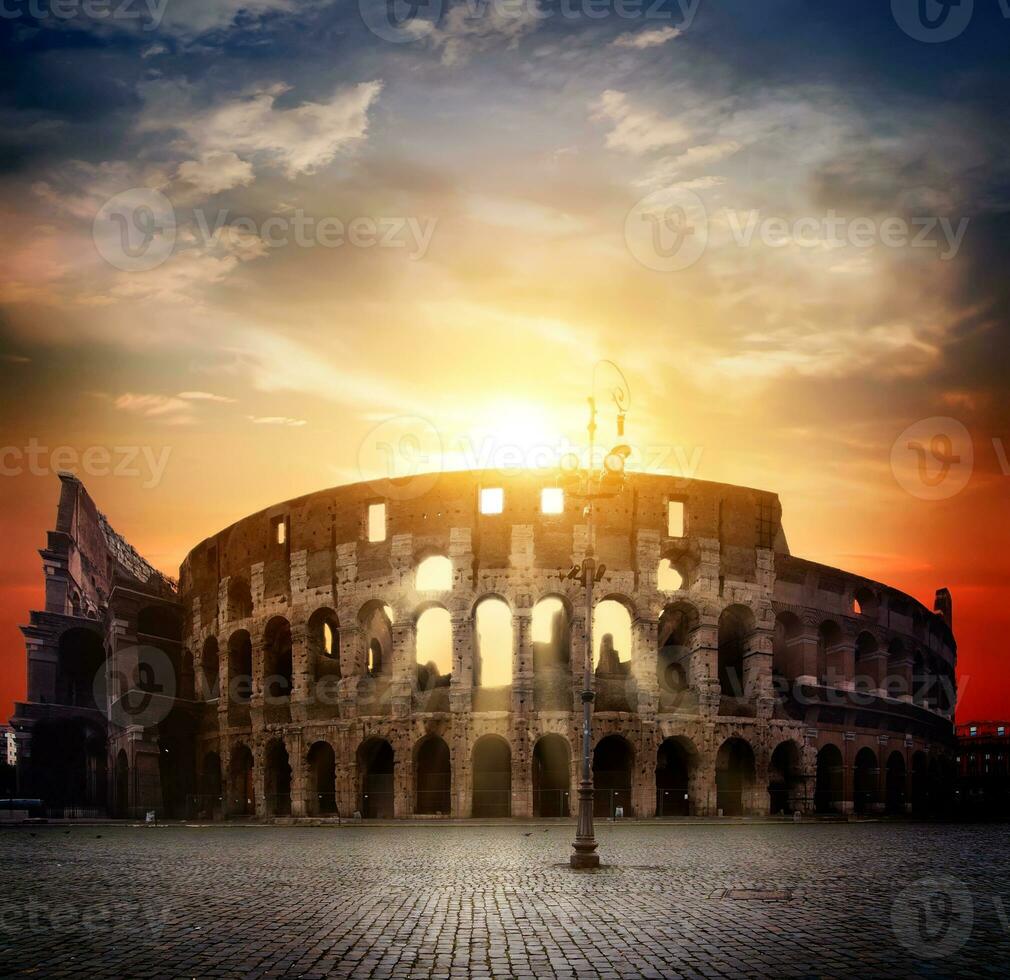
(757, 672)
(701, 786)
(295, 745)
(522, 661)
(644, 664)
(303, 673)
(703, 668)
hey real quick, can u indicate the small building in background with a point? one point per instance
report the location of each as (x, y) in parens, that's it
(983, 767)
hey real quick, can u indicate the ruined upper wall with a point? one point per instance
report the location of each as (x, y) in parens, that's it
(423, 513)
(85, 557)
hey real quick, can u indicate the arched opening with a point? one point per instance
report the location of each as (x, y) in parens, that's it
(675, 761)
(612, 652)
(375, 778)
(434, 657)
(734, 777)
(897, 684)
(210, 671)
(277, 663)
(434, 574)
(493, 643)
(735, 627)
(322, 636)
(865, 779)
(673, 660)
(239, 599)
(611, 637)
(376, 620)
(865, 603)
(239, 667)
(122, 784)
(241, 789)
(550, 628)
(613, 760)
(920, 784)
(433, 776)
(551, 776)
(867, 677)
(81, 666)
(210, 802)
(492, 777)
(786, 787)
(277, 774)
(787, 649)
(668, 577)
(830, 787)
(894, 791)
(830, 658)
(322, 772)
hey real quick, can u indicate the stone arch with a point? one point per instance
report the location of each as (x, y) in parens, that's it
(787, 647)
(210, 671)
(676, 763)
(433, 641)
(321, 766)
(786, 784)
(736, 624)
(735, 774)
(492, 642)
(240, 604)
(240, 667)
(376, 765)
(277, 779)
(673, 660)
(375, 618)
(551, 639)
(831, 668)
(241, 785)
(613, 616)
(322, 637)
(432, 776)
(894, 784)
(865, 780)
(552, 761)
(613, 773)
(278, 669)
(491, 766)
(865, 602)
(829, 790)
(669, 576)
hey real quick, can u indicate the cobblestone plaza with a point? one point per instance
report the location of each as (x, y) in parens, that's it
(498, 900)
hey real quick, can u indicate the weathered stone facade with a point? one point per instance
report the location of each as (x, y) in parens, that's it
(761, 682)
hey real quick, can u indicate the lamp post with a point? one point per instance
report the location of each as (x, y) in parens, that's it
(597, 487)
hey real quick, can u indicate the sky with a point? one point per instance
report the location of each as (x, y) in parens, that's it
(253, 249)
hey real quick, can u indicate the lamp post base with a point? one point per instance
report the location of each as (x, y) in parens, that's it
(582, 860)
(585, 845)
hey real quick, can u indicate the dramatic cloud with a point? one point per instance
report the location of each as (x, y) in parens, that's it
(216, 171)
(298, 140)
(651, 38)
(635, 130)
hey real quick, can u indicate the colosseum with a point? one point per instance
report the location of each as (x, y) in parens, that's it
(396, 650)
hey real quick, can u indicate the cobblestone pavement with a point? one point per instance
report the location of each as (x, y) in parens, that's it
(830, 900)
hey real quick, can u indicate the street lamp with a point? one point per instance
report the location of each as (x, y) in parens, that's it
(593, 486)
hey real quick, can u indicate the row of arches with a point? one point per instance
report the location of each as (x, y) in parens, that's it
(677, 771)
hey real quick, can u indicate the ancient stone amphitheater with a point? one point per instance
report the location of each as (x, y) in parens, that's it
(416, 648)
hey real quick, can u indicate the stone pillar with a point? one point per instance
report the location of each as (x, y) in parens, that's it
(522, 660)
(461, 685)
(522, 769)
(701, 788)
(757, 672)
(644, 664)
(300, 784)
(703, 668)
(404, 668)
(303, 673)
